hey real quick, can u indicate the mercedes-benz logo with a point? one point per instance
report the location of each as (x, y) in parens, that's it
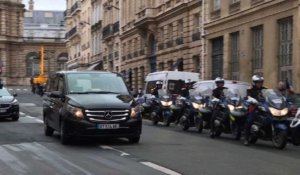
(108, 115)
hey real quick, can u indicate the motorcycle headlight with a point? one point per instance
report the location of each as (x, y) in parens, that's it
(166, 103)
(75, 111)
(279, 113)
(15, 102)
(231, 107)
(197, 106)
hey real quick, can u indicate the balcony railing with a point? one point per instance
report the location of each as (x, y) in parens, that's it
(97, 25)
(75, 7)
(179, 40)
(215, 14)
(145, 16)
(234, 7)
(169, 44)
(107, 31)
(71, 32)
(116, 27)
(142, 52)
(196, 36)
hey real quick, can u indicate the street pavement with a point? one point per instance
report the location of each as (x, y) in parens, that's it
(24, 150)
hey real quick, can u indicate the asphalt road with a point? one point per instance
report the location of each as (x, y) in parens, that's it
(25, 150)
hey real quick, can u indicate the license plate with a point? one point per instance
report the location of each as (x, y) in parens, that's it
(108, 126)
(2, 110)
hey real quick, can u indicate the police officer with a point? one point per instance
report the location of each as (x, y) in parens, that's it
(155, 90)
(185, 91)
(255, 92)
(218, 92)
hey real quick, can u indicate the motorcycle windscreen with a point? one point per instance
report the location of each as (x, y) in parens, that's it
(233, 96)
(274, 98)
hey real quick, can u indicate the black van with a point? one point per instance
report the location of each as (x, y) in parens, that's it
(90, 103)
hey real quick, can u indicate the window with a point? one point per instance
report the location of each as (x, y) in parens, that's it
(161, 66)
(234, 1)
(180, 28)
(161, 34)
(235, 50)
(196, 63)
(142, 70)
(170, 65)
(217, 4)
(170, 31)
(196, 23)
(257, 50)
(33, 65)
(285, 48)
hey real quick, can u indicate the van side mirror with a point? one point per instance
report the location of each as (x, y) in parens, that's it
(56, 94)
(15, 95)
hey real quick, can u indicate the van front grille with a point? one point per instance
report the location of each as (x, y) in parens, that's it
(107, 115)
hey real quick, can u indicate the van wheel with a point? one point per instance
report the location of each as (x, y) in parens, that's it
(64, 138)
(15, 118)
(48, 131)
(135, 139)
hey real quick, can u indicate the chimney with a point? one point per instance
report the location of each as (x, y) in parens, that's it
(31, 5)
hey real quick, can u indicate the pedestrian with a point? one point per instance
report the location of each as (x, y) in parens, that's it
(32, 84)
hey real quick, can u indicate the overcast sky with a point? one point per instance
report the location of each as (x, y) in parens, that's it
(47, 4)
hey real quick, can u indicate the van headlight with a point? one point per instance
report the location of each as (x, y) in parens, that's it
(15, 102)
(166, 103)
(279, 113)
(76, 112)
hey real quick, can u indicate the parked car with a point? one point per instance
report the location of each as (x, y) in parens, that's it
(9, 105)
(90, 103)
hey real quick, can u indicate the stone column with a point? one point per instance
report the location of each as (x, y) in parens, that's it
(270, 62)
(245, 54)
(226, 56)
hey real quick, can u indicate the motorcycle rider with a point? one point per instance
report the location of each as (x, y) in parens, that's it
(285, 89)
(155, 90)
(218, 92)
(185, 91)
(255, 92)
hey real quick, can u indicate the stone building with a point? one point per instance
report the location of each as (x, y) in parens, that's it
(96, 62)
(111, 35)
(254, 37)
(160, 35)
(19, 49)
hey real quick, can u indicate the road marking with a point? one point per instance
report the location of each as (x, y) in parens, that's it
(29, 117)
(10, 89)
(27, 104)
(113, 149)
(25, 89)
(160, 168)
(21, 113)
(39, 120)
(18, 89)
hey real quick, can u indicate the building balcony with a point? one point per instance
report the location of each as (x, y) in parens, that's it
(215, 14)
(67, 13)
(116, 27)
(196, 36)
(75, 8)
(145, 17)
(110, 30)
(179, 40)
(97, 25)
(234, 7)
(71, 33)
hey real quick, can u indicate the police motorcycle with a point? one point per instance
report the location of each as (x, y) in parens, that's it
(221, 116)
(237, 112)
(205, 107)
(191, 116)
(271, 121)
(161, 109)
(295, 129)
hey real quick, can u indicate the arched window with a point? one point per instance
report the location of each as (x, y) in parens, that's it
(61, 61)
(32, 64)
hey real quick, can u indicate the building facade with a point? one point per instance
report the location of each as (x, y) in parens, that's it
(111, 35)
(253, 37)
(96, 61)
(160, 35)
(73, 34)
(19, 47)
(44, 28)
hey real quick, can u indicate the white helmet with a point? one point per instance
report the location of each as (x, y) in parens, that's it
(158, 83)
(219, 80)
(257, 78)
(187, 81)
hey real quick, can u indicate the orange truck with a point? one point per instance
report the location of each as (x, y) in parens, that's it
(41, 79)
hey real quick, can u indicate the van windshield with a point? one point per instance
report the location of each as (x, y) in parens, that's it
(93, 83)
(174, 86)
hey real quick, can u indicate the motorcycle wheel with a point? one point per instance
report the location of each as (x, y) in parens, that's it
(184, 125)
(167, 122)
(199, 125)
(280, 139)
(153, 118)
